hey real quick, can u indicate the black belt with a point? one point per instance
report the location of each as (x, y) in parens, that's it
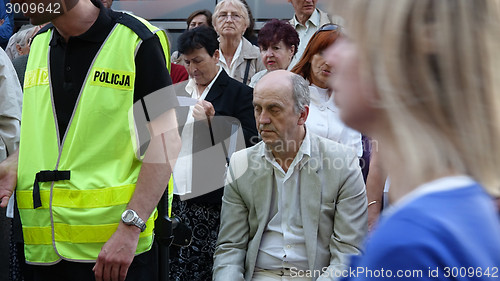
(46, 176)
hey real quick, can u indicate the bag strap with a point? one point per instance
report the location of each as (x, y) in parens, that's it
(247, 69)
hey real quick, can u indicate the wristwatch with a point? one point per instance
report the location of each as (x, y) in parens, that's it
(130, 217)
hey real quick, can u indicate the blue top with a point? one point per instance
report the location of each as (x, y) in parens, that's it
(7, 27)
(448, 234)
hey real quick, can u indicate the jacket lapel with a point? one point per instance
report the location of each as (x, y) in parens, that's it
(218, 87)
(310, 202)
(262, 189)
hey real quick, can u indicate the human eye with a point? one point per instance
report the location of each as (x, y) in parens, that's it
(275, 110)
(222, 16)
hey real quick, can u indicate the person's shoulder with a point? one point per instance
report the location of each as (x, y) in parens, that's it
(3, 56)
(44, 29)
(417, 216)
(330, 148)
(247, 161)
(232, 83)
(138, 25)
(249, 152)
(326, 18)
(249, 50)
(322, 13)
(256, 77)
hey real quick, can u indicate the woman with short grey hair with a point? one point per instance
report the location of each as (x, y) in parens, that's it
(238, 57)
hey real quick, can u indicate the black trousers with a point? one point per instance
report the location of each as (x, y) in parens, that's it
(143, 267)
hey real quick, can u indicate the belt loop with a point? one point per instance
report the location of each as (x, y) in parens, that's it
(46, 176)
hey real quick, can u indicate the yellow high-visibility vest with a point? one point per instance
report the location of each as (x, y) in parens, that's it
(78, 215)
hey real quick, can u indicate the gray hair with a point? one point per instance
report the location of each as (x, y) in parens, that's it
(300, 92)
(237, 4)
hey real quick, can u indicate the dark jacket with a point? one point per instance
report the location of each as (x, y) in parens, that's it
(229, 98)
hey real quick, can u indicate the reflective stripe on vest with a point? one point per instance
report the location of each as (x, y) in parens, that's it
(79, 215)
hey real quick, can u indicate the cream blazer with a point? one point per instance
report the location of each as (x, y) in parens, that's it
(333, 206)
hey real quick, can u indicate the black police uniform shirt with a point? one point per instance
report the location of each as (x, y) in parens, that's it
(70, 62)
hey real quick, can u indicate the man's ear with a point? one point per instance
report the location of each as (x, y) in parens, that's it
(303, 115)
(19, 49)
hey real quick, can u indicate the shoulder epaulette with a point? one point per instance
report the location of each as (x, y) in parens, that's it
(134, 24)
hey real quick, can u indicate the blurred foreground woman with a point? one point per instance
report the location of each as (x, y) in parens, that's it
(422, 77)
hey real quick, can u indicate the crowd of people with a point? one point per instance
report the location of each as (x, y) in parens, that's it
(274, 149)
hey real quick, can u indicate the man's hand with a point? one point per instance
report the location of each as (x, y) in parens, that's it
(202, 110)
(117, 254)
(8, 178)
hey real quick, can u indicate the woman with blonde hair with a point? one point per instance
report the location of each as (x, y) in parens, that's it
(422, 77)
(239, 58)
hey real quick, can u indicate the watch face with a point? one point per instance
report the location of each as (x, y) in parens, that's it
(128, 216)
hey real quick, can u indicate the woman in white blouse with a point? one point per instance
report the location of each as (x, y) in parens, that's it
(239, 58)
(323, 116)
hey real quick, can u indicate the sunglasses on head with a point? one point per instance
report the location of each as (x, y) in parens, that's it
(328, 27)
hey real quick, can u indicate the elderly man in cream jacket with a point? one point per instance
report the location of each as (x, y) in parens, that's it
(294, 205)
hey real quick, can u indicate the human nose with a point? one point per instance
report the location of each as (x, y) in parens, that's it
(190, 68)
(263, 117)
(269, 52)
(327, 64)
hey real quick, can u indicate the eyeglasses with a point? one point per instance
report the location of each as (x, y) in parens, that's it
(225, 16)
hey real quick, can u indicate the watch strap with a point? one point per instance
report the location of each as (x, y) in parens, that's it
(140, 223)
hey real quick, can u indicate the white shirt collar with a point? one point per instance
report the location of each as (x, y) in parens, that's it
(314, 19)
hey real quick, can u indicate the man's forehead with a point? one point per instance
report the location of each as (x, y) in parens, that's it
(272, 94)
(277, 79)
